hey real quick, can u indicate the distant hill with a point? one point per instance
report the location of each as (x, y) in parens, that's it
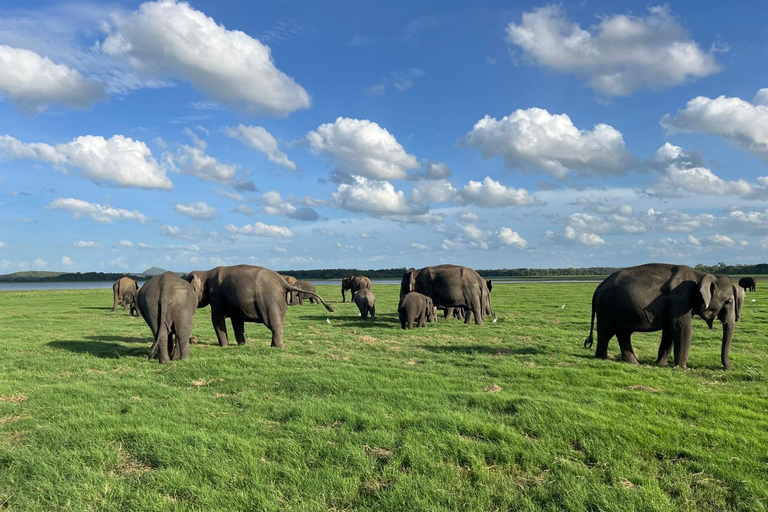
(29, 275)
(154, 271)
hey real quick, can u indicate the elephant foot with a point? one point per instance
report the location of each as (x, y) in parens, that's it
(660, 362)
(727, 366)
(630, 358)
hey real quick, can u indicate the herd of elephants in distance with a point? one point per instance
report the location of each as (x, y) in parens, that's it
(645, 298)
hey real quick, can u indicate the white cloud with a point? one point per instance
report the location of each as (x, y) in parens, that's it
(582, 238)
(196, 163)
(468, 217)
(82, 244)
(2, 245)
(377, 198)
(118, 161)
(279, 250)
(245, 210)
(491, 194)
(273, 204)
(376, 90)
(198, 210)
(260, 229)
(188, 234)
(619, 56)
(261, 140)
(723, 240)
(535, 140)
(229, 66)
(32, 82)
(419, 247)
(509, 237)
(737, 120)
(363, 148)
(438, 191)
(67, 261)
(124, 243)
(41, 263)
(97, 212)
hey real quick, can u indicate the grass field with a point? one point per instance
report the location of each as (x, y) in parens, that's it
(358, 416)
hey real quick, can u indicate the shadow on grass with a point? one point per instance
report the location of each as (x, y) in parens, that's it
(484, 349)
(118, 339)
(104, 350)
(382, 321)
(101, 308)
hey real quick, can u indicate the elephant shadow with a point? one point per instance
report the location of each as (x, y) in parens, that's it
(102, 349)
(118, 339)
(385, 321)
(98, 308)
(484, 349)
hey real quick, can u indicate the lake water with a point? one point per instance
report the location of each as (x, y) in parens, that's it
(93, 285)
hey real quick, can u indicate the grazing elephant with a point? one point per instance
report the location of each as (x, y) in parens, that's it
(167, 303)
(748, 283)
(120, 288)
(661, 297)
(366, 303)
(415, 307)
(291, 297)
(354, 283)
(129, 299)
(307, 287)
(245, 294)
(450, 286)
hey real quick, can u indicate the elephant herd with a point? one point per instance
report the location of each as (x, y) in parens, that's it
(645, 298)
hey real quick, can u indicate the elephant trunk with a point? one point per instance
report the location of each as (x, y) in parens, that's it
(728, 326)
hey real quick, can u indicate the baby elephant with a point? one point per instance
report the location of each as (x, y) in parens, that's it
(366, 303)
(415, 307)
(129, 299)
(168, 303)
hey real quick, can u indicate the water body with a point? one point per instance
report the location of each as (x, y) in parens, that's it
(95, 285)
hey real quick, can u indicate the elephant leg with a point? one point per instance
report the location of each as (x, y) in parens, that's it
(665, 347)
(162, 344)
(373, 313)
(604, 335)
(220, 326)
(173, 346)
(114, 300)
(625, 343)
(276, 326)
(422, 320)
(682, 341)
(182, 340)
(448, 312)
(476, 308)
(238, 325)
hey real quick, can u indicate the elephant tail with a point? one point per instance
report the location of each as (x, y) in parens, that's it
(588, 342)
(311, 294)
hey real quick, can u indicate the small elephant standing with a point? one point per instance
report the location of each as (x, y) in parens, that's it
(748, 283)
(302, 296)
(366, 303)
(451, 286)
(291, 297)
(415, 307)
(662, 297)
(122, 286)
(354, 283)
(245, 293)
(168, 303)
(129, 299)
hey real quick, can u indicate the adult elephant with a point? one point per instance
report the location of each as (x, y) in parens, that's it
(245, 293)
(291, 297)
(460, 313)
(167, 303)
(355, 284)
(748, 283)
(122, 286)
(661, 297)
(304, 295)
(450, 286)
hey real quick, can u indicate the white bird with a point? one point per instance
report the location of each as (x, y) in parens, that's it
(562, 307)
(328, 320)
(495, 320)
(754, 300)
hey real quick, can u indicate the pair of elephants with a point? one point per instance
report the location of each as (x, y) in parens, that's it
(362, 295)
(662, 297)
(298, 298)
(124, 293)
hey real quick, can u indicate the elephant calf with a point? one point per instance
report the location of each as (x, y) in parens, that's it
(120, 288)
(366, 303)
(168, 303)
(129, 299)
(308, 293)
(415, 307)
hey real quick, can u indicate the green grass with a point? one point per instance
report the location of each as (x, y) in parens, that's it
(357, 416)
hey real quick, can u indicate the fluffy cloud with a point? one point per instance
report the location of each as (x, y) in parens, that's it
(439, 191)
(188, 234)
(229, 66)
(260, 229)
(620, 55)
(491, 194)
(67, 261)
(273, 204)
(582, 238)
(195, 162)
(117, 161)
(508, 237)
(741, 122)
(377, 198)
(261, 140)
(2, 245)
(82, 244)
(535, 140)
(419, 247)
(97, 212)
(362, 148)
(198, 210)
(33, 82)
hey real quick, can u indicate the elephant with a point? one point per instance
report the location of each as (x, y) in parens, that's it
(168, 303)
(415, 307)
(129, 299)
(740, 295)
(366, 303)
(119, 289)
(662, 297)
(245, 293)
(307, 287)
(450, 286)
(291, 297)
(354, 283)
(748, 283)
(460, 313)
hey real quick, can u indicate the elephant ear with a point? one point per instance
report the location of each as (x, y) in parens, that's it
(707, 288)
(408, 282)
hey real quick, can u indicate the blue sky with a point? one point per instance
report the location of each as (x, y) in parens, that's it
(299, 135)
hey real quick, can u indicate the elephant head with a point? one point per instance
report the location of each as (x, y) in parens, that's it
(199, 281)
(717, 300)
(431, 310)
(408, 283)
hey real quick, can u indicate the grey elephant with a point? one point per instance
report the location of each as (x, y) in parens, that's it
(366, 303)
(291, 297)
(307, 287)
(748, 283)
(661, 297)
(167, 303)
(740, 296)
(120, 288)
(353, 283)
(450, 286)
(129, 300)
(245, 293)
(415, 307)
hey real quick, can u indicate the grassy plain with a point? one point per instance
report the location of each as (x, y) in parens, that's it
(351, 415)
